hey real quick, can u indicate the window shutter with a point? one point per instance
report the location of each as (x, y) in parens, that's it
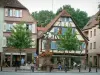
(20, 13)
(4, 27)
(4, 41)
(6, 12)
(30, 27)
(33, 28)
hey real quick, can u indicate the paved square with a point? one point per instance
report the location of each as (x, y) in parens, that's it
(17, 73)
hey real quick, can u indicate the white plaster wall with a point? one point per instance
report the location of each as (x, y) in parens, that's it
(1, 28)
(94, 39)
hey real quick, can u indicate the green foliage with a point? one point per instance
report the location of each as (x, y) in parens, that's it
(43, 17)
(68, 41)
(80, 17)
(20, 37)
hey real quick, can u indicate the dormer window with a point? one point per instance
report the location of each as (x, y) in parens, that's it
(13, 12)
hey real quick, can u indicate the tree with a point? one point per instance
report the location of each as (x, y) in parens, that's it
(43, 17)
(68, 41)
(80, 17)
(20, 38)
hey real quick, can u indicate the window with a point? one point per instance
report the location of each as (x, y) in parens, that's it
(63, 19)
(64, 30)
(90, 45)
(9, 27)
(29, 27)
(91, 34)
(73, 30)
(94, 32)
(70, 20)
(10, 12)
(18, 13)
(13, 12)
(67, 19)
(53, 45)
(44, 42)
(55, 30)
(94, 45)
(83, 45)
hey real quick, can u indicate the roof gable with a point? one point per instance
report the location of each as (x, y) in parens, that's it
(92, 22)
(61, 14)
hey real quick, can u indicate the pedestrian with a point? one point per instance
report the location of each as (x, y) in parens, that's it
(59, 67)
(65, 67)
(22, 61)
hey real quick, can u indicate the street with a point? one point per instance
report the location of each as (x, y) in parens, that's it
(21, 73)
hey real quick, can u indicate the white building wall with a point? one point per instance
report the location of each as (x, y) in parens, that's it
(94, 39)
(1, 28)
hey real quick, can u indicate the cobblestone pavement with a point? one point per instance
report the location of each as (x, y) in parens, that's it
(12, 69)
(23, 73)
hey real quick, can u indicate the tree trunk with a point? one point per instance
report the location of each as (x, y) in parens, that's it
(64, 58)
(68, 60)
(20, 56)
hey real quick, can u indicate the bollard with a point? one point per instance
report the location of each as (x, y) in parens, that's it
(96, 69)
(1, 68)
(15, 69)
(85, 67)
(32, 68)
(65, 68)
(89, 69)
(79, 68)
(50, 69)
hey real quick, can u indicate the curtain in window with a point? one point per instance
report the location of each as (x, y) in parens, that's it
(6, 12)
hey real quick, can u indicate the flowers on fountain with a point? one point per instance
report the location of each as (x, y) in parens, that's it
(47, 53)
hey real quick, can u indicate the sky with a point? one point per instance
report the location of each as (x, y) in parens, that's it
(89, 6)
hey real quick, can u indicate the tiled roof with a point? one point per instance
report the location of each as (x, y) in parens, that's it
(61, 14)
(12, 4)
(92, 22)
(41, 29)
